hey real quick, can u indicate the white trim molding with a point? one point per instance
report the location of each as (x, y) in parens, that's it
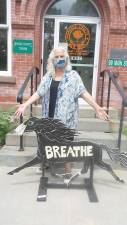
(7, 26)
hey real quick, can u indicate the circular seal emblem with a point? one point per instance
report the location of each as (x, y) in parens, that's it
(77, 36)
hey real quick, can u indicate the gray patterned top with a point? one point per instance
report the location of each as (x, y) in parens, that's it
(70, 88)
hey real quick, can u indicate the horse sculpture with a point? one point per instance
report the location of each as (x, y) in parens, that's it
(55, 144)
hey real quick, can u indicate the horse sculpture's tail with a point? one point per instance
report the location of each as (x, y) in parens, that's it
(115, 154)
(123, 158)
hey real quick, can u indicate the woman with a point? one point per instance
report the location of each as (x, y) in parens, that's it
(60, 89)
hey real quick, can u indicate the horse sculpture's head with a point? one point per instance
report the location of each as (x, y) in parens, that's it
(51, 129)
(31, 124)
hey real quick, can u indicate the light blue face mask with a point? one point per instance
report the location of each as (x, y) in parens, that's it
(59, 63)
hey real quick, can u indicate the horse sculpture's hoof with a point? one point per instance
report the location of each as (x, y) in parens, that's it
(122, 181)
(10, 173)
(42, 198)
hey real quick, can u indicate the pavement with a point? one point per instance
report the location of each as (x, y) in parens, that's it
(18, 194)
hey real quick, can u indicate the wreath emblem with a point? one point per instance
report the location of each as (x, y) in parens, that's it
(77, 36)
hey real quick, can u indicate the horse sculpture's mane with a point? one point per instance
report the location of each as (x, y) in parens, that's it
(52, 129)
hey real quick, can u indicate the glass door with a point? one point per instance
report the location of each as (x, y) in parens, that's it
(80, 39)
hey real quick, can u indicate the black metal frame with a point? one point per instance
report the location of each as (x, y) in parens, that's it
(34, 72)
(45, 182)
(88, 184)
(113, 78)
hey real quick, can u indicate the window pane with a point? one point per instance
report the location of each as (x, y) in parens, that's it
(73, 8)
(3, 50)
(82, 37)
(48, 40)
(3, 12)
(86, 74)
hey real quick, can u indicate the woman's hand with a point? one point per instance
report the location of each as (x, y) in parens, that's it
(20, 111)
(99, 110)
(102, 114)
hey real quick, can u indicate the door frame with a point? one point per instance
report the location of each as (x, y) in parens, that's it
(87, 20)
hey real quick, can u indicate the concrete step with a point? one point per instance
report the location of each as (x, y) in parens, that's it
(95, 124)
(84, 112)
(110, 139)
(10, 156)
(89, 112)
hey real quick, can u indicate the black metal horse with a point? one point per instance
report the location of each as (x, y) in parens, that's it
(52, 132)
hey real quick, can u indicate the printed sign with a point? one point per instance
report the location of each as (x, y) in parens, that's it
(118, 57)
(78, 58)
(64, 152)
(117, 62)
(22, 46)
(78, 37)
(118, 53)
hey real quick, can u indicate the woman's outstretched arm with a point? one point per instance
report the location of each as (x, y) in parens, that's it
(21, 109)
(99, 110)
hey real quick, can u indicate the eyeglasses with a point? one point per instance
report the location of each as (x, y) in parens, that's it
(59, 56)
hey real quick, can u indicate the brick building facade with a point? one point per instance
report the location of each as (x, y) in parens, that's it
(26, 20)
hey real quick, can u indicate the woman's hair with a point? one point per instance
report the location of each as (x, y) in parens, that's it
(50, 65)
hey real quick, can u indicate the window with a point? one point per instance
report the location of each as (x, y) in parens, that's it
(73, 8)
(48, 39)
(5, 38)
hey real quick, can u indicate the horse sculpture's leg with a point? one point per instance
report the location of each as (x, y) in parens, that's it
(42, 192)
(105, 166)
(33, 162)
(86, 165)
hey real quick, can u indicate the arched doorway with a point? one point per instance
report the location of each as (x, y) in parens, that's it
(76, 25)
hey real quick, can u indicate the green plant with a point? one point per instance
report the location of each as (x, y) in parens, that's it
(5, 124)
(125, 130)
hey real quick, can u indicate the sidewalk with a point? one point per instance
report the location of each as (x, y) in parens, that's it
(18, 205)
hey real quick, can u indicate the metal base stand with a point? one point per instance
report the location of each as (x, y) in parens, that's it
(91, 191)
(88, 185)
(42, 192)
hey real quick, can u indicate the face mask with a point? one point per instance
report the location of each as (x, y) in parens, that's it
(60, 62)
